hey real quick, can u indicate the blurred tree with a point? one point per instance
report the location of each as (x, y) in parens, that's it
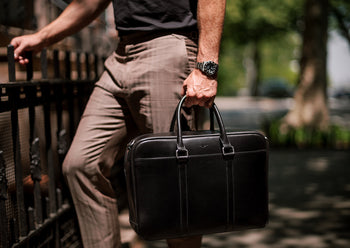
(251, 22)
(310, 109)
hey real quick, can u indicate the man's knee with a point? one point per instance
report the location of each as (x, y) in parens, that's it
(73, 163)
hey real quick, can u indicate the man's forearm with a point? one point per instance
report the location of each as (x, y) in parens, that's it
(77, 15)
(210, 16)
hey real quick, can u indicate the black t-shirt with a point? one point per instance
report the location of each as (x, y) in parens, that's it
(149, 15)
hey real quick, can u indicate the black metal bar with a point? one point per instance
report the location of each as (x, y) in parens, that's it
(35, 172)
(46, 91)
(71, 110)
(59, 198)
(35, 169)
(96, 66)
(11, 63)
(30, 96)
(78, 66)
(56, 64)
(62, 144)
(47, 204)
(22, 216)
(81, 103)
(29, 65)
(87, 65)
(43, 63)
(31, 221)
(3, 198)
(14, 230)
(68, 65)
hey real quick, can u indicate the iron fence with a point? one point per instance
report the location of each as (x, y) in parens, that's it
(38, 117)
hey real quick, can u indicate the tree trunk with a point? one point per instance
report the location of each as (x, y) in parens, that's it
(252, 65)
(310, 109)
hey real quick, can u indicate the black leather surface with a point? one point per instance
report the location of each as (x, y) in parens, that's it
(204, 194)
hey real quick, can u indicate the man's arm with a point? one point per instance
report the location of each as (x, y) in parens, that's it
(200, 89)
(77, 15)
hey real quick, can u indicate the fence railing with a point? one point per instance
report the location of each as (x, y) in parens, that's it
(38, 117)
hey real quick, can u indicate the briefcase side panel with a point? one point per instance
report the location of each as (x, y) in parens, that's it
(130, 184)
(250, 189)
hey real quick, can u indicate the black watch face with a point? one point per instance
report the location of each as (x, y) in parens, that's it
(210, 68)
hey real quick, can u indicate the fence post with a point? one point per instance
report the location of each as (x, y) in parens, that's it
(43, 64)
(13, 98)
(3, 198)
(34, 152)
(11, 63)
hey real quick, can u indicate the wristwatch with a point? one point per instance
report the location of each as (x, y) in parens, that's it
(208, 68)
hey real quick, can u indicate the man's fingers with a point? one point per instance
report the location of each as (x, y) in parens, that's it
(22, 60)
(18, 49)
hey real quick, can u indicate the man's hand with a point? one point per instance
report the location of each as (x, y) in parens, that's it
(199, 89)
(24, 43)
(77, 15)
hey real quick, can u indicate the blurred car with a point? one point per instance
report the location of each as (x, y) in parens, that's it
(276, 88)
(342, 93)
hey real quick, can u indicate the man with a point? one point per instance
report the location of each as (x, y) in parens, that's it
(166, 48)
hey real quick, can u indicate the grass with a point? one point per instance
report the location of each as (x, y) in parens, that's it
(335, 137)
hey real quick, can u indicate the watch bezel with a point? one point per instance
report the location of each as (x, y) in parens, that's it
(209, 68)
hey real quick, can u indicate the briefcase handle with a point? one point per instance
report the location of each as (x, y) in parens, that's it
(211, 118)
(182, 152)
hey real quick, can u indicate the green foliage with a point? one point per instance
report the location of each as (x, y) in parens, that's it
(335, 137)
(273, 23)
(231, 71)
(249, 20)
(280, 58)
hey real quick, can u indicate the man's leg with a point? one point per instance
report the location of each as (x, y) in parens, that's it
(93, 196)
(157, 70)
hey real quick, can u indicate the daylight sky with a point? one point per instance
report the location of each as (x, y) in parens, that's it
(338, 61)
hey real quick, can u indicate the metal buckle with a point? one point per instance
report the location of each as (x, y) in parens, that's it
(228, 151)
(182, 155)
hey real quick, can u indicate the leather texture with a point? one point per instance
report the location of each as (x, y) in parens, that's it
(199, 183)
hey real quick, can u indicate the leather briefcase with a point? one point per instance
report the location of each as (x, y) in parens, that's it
(189, 183)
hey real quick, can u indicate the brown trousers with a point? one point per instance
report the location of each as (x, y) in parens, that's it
(137, 93)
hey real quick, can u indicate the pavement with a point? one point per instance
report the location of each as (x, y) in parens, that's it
(309, 190)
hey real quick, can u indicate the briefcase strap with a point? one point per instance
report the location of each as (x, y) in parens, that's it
(211, 118)
(182, 153)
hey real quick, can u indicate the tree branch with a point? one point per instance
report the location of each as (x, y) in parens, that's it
(341, 23)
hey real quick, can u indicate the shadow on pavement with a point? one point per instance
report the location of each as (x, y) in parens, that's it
(309, 203)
